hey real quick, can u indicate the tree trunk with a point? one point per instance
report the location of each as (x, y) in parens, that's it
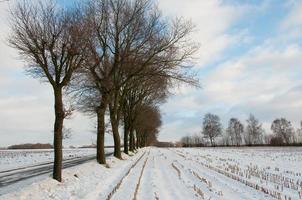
(131, 145)
(115, 132)
(134, 141)
(145, 141)
(126, 134)
(117, 142)
(58, 126)
(141, 140)
(137, 140)
(100, 149)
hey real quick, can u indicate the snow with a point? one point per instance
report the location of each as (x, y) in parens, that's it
(85, 181)
(180, 173)
(13, 159)
(276, 170)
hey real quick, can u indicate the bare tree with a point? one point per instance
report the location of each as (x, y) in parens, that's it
(147, 125)
(150, 49)
(283, 129)
(50, 40)
(130, 39)
(235, 130)
(192, 141)
(151, 90)
(254, 131)
(212, 127)
(186, 141)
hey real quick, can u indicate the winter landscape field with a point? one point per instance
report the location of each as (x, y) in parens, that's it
(150, 99)
(180, 173)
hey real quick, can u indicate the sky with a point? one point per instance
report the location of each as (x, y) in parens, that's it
(249, 61)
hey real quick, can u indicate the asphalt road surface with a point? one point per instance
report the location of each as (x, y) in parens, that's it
(13, 177)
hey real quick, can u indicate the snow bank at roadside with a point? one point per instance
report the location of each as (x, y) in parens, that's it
(86, 181)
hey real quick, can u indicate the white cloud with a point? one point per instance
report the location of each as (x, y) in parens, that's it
(294, 18)
(212, 24)
(263, 72)
(172, 131)
(291, 25)
(265, 80)
(8, 56)
(212, 20)
(27, 105)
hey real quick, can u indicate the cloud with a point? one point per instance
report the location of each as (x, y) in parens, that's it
(172, 131)
(262, 72)
(264, 79)
(291, 25)
(30, 118)
(212, 20)
(294, 17)
(26, 104)
(260, 82)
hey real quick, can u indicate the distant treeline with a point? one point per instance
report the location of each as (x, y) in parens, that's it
(164, 144)
(239, 134)
(31, 146)
(243, 145)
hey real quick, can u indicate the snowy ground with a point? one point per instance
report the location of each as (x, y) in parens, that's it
(12, 159)
(201, 173)
(20, 168)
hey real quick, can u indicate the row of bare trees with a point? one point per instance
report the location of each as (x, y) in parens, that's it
(111, 57)
(283, 133)
(191, 141)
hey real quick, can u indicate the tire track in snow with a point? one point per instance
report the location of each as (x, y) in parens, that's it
(147, 189)
(125, 188)
(168, 185)
(140, 178)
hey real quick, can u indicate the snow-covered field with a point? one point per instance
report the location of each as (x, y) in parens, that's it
(246, 173)
(12, 159)
(179, 173)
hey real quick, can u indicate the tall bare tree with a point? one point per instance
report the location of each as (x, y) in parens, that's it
(283, 129)
(212, 127)
(254, 131)
(235, 130)
(50, 40)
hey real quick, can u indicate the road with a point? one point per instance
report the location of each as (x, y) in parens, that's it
(10, 178)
